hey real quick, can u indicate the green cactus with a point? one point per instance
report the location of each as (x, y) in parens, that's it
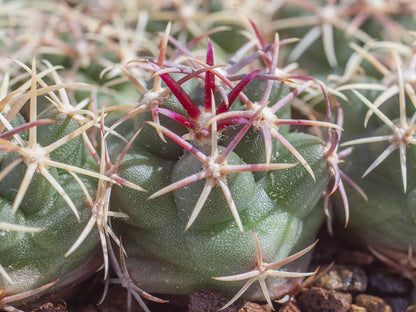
(43, 205)
(386, 160)
(211, 172)
(176, 168)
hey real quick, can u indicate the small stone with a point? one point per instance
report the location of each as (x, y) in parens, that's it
(254, 307)
(372, 303)
(356, 308)
(321, 299)
(389, 284)
(251, 307)
(289, 307)
(343, 278)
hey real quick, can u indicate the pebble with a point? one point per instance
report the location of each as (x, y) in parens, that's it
(343, 278)
(356, 308)
(289, 307)
(321, 299)
(254, 307)
(372, 303)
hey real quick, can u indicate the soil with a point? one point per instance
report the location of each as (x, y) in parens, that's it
(348, 281)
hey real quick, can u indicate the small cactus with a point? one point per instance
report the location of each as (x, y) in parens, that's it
(177, 149)
(43, 205)
(191, 187)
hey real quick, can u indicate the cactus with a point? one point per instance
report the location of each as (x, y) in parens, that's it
(43, 206)
(384, 157)
(202, 157)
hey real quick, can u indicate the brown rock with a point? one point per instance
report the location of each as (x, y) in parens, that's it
(289, 307)
(254, 307)
(321, 299)
(372, 303)
(343, 278)
(356, 308)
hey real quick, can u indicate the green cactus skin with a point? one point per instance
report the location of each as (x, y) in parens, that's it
(385, 222)
(383, 163)
(34, 259)
(213, 246)
(375, 222)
